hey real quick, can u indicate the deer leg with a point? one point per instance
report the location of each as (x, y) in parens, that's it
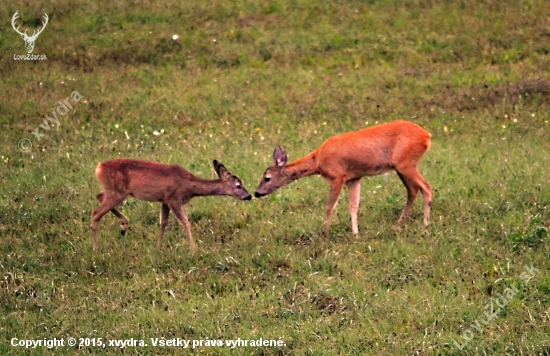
(414, 182)
(108, 203)
(123, 219)
(164, 211)
(354, 188)
(427, 195)
(335, 188)
(178, 211)
(412, 191)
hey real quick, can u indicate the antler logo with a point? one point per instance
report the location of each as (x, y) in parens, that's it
(29, 40)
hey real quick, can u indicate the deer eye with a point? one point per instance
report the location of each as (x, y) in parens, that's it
(238, 186)
(267, 179)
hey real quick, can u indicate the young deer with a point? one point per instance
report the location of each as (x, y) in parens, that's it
(346, 158)
(172, 186)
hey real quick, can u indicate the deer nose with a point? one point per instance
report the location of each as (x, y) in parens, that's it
(249, 197)
(258, 195)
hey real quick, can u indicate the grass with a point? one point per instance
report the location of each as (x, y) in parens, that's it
(242, 78)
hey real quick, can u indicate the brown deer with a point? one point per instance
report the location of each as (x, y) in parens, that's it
(346, 158)
(171, 185)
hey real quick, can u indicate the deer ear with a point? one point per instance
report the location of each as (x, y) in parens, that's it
(279, 157)
(220, 169)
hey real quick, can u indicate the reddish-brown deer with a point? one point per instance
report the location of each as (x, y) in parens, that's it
(346, 158)
(171, 185)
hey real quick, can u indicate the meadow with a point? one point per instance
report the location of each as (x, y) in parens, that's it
(240, 78)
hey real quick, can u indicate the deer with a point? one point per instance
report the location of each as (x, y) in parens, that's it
(29, 40)
(171, 185)
(348, 157)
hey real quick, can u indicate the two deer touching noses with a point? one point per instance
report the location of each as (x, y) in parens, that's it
(341, 159)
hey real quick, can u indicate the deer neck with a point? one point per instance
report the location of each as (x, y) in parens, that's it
(302, 167)
(207, 187)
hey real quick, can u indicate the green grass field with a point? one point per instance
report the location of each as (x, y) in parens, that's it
(244, 77)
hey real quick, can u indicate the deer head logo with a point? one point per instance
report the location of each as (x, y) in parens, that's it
(29, 40)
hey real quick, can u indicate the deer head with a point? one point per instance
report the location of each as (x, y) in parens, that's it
(29, 40)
